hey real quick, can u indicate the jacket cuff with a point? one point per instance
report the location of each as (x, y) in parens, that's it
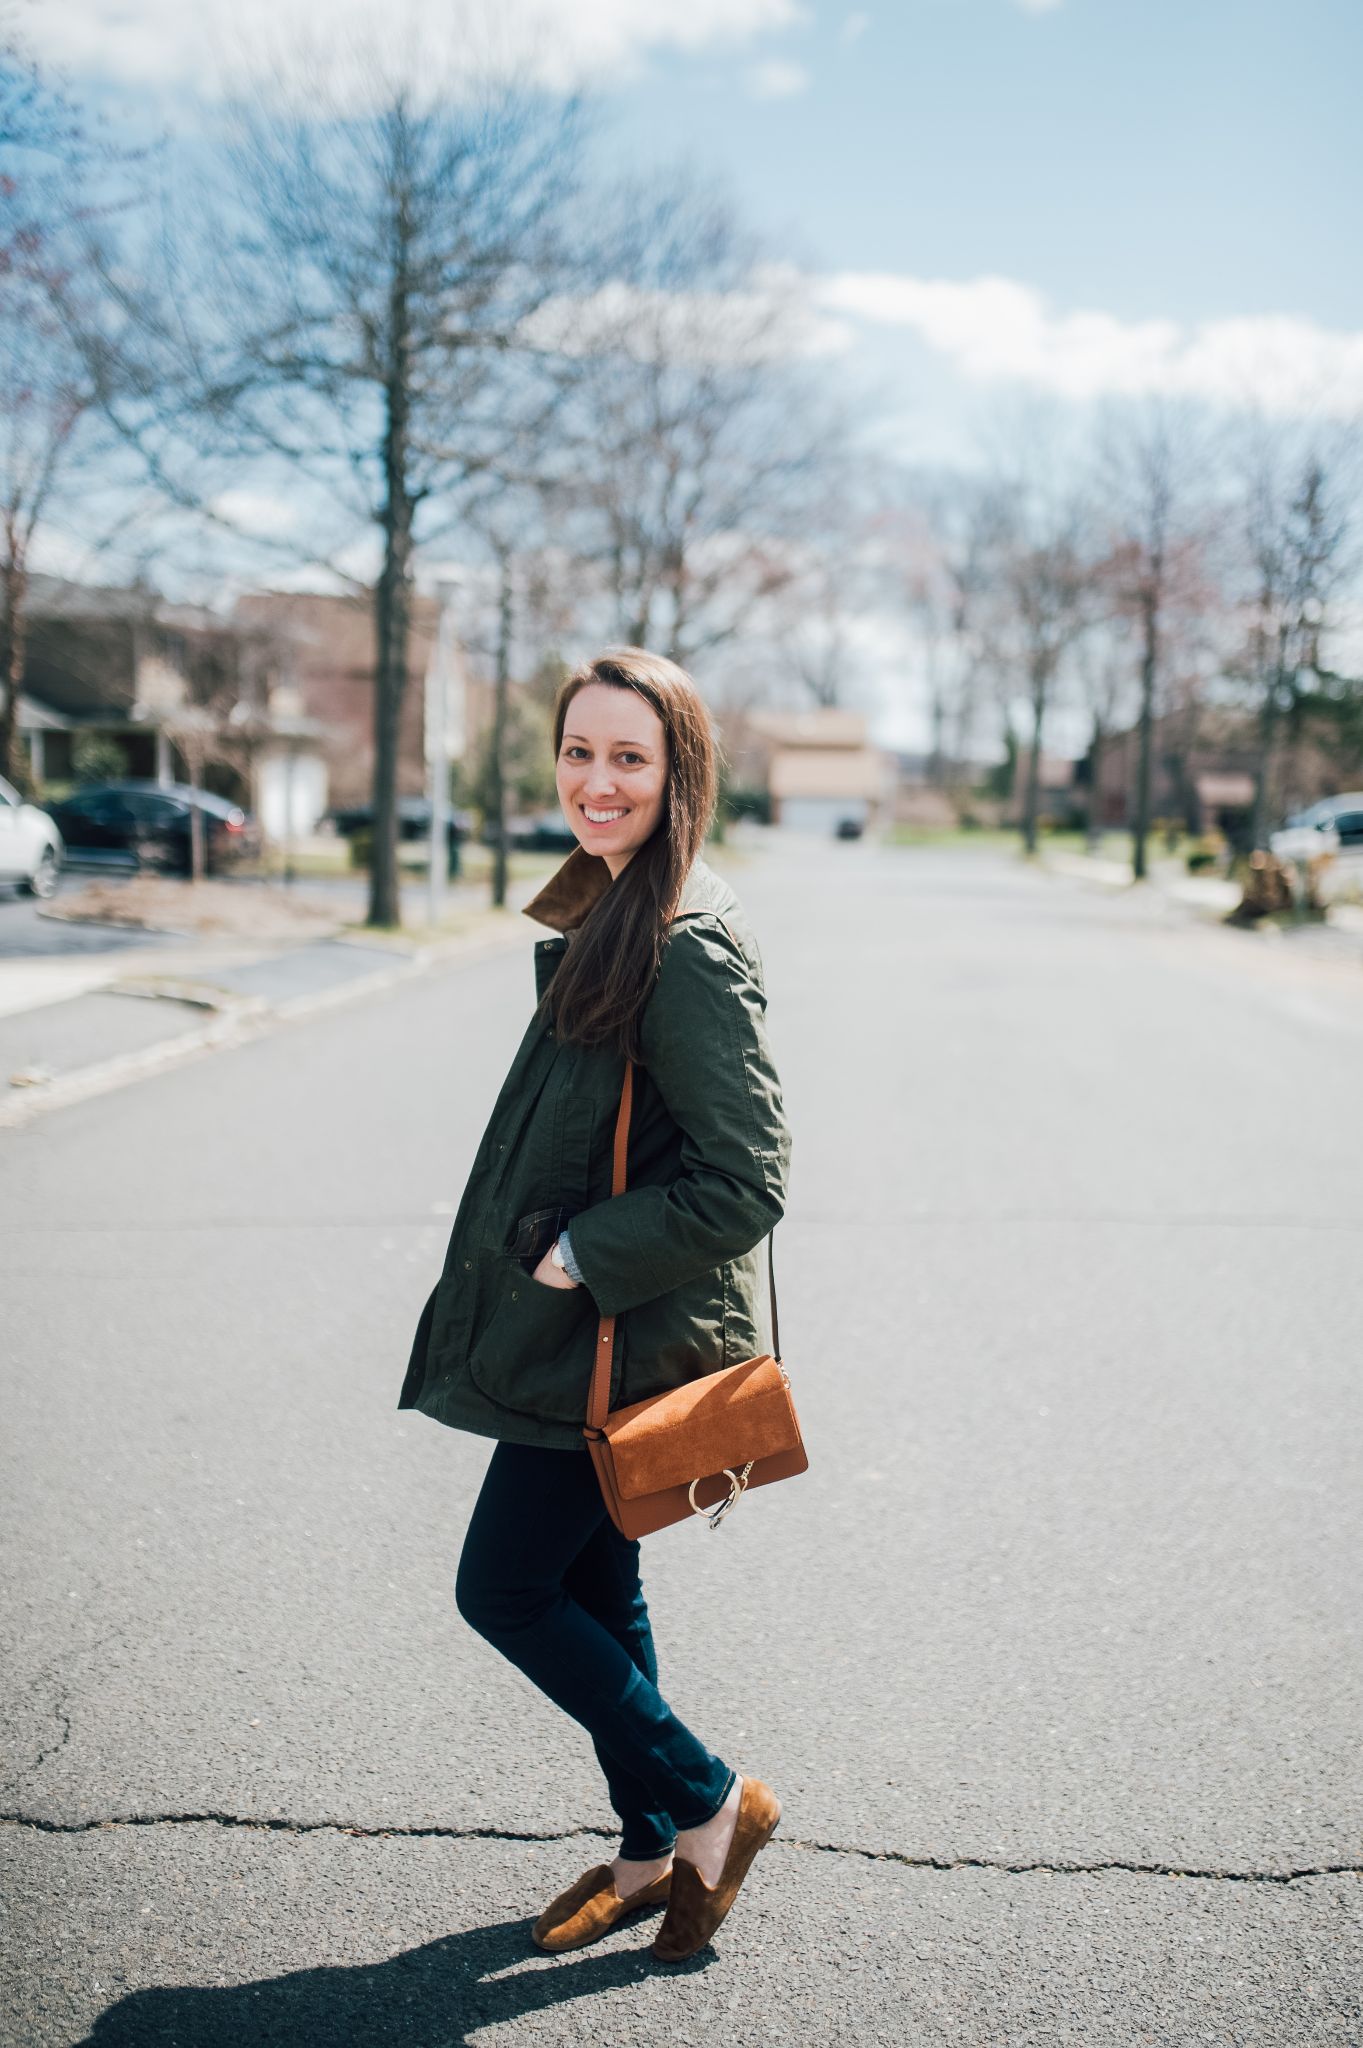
(570, 1265)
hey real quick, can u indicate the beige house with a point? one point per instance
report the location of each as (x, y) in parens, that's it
(817, 766)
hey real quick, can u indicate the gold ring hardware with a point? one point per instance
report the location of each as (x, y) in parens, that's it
(737, 1481)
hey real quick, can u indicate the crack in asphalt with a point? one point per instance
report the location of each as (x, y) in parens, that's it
(1040, 1867)
(59, 1713)
(15, 1782)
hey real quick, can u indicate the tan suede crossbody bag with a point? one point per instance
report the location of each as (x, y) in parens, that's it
(695, 1449)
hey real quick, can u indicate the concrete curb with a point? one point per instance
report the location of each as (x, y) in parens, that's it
(236, 1020)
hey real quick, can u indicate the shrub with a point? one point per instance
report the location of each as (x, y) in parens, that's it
(95, 757)
(739, 801)
(1207, 852)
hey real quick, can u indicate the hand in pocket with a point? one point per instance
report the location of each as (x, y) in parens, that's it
(535, 1232)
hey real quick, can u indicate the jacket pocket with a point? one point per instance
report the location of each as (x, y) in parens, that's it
(535, 1232)
(672, 1339)
(534, 1355)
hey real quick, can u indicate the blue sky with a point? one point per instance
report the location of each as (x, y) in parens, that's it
(1079, 198)
(1186, 158)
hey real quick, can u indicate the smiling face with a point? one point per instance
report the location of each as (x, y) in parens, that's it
(612, 770)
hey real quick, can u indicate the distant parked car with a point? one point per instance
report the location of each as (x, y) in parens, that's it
(414, 820)
(145, 824)
(541, 832)
(1336, 822)
(847, 828)
(31, 848)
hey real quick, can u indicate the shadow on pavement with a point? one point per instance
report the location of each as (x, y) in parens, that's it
(426, 1996)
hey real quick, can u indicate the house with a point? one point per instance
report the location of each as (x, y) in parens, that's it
(1203, 761)
(1059, 794)
(114, 664)
(816, 766)
(175, 692)
(325, 654)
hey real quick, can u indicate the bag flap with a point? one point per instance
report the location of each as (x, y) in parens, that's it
(695, 1430)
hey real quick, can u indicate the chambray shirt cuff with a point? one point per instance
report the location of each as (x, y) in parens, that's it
(570, 1265)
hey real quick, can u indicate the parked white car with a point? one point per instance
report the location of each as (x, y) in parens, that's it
(31, 847)
(1330, 826)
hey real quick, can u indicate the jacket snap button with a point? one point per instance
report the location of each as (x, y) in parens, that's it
(513, 1294)
(468, 1265)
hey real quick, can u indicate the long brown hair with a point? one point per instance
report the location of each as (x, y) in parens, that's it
(599, 990)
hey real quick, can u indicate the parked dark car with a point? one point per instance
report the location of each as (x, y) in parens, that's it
(847, 828)
(132, 825)
(544, 832)
(414, 820)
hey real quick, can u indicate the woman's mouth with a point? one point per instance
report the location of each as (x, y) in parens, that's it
(602, 818)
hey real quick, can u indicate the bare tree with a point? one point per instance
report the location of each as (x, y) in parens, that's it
(1299, 528)
(1104, 668)
(692, 436)
(1148, 458)
(942, 565)
(361, 332)
(46, 396)
(1038, 572)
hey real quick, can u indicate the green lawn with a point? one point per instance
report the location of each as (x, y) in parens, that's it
(1008, 839)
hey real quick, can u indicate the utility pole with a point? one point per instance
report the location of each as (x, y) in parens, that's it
(496, 774)
(437, 709)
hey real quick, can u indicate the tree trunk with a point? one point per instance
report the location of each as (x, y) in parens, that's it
(392, 616)
(1149, 662)
(936, 765)
(14, 629)
(496, 764)
(197, 863)
(1030, 801)
(1268, 735)
(1093, 824)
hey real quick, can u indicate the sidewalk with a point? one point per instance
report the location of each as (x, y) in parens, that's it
(1209, 897)
(78, 1025)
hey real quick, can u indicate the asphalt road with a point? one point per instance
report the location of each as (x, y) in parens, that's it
(26, 934)
(1053, 1656)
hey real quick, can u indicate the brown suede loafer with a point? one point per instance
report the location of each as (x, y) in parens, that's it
(591, 1907)
(695, 1909)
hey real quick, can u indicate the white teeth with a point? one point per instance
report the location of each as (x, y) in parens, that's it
(601, 817)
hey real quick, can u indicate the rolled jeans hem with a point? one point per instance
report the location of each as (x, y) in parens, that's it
(684, 1825)
(635, 1851)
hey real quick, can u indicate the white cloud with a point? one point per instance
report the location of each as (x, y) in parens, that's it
(854, 28)
(994, 329)
(268, 514)
(1038, 6)
(770, 321)
(776, 78)
(161, 43)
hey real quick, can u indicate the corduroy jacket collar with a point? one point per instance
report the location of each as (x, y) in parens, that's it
(584, 877)
(570, 891)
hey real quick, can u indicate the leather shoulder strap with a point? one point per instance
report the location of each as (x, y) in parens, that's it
(598, 1398)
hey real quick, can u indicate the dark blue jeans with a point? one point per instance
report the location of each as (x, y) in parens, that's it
(548, 1579)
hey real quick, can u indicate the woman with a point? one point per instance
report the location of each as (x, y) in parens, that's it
(655, 962)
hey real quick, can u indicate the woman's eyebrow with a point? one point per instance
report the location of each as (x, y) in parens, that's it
(642, 745)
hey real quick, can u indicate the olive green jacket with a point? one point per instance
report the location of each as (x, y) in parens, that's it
(677, 1257)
